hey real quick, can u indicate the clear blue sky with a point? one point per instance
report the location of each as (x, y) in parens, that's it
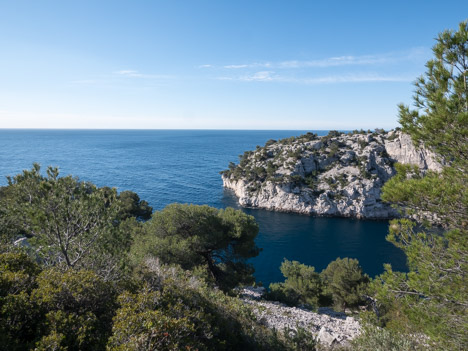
(214, 64)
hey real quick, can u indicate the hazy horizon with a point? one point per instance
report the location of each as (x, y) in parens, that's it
(181, 129)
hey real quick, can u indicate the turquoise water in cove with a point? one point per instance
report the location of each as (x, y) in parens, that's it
(166, 166)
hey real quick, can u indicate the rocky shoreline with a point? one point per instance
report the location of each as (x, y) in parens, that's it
(335, 175)
(330, 328)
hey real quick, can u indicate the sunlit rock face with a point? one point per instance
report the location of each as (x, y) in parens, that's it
(335, 175)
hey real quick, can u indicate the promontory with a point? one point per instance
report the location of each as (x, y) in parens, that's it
(340, 174)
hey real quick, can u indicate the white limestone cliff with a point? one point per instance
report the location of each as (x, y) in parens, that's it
(336, 175)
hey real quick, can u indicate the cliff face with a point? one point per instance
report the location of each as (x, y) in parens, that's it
(335, 175)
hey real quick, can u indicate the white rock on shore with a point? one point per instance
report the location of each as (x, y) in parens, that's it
(338, 175)
(330, 328)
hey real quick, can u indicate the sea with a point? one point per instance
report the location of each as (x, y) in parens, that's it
(167, 166)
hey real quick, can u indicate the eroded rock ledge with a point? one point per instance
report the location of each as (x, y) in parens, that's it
(334, 175)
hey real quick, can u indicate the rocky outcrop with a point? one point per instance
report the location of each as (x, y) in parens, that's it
(330, 328)
(335, 175)
(402, 150)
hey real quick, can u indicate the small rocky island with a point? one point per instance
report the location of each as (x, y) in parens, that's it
(334, 175)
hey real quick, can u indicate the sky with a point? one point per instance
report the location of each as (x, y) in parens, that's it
(216, 64)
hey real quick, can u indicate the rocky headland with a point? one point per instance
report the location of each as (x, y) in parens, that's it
(335, 175)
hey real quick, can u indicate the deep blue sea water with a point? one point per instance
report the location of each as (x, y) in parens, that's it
(166, 166)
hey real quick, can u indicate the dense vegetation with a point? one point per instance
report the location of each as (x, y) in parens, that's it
(86, 268)
(342, 284)
(81, 270)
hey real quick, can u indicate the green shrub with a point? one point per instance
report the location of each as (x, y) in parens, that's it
(131, 206)
(78, 308)
(362, 143)
(302, 285)
(260, 172)
(343, 179)
(345, 282)
(20, 319)
(300, 339)
(295, 154)
(296, 179)
(271, 168)
(142, 323)
(378, 339)
(216, 242)
(334, 134)
(311, 181)
(334, 149)
(18, 273)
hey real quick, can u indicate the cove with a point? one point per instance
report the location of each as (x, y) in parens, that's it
(166, 166)
(317, 241)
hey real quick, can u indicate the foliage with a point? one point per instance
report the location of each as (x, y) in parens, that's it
(433, 298)
(71, 310)
(334, 134)
(78, 308)
(311, 181)
(166, 308)
(301, 286)
(295, 154)
(442, 193)
(342, 284)
(271, 169)
(441, 98)
(355, 131)
(205, 318)
(70, 223)
(132, 207)
(378, 339)
(17, 273)
(362, 143)
(334, 149)
(215, 242)
(141, 324)
(19, 317)
(345, 282)
(299, 339)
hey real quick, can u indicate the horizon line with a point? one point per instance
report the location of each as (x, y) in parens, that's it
(187, 129)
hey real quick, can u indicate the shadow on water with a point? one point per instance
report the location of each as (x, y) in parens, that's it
(317, 241)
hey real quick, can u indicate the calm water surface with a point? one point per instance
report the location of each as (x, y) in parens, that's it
(166, 166)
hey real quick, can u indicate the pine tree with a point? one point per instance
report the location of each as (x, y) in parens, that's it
(433, 297)
(215, 243)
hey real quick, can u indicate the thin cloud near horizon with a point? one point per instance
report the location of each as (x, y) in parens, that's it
(334, 61)
(373, 68)
(270, 76)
